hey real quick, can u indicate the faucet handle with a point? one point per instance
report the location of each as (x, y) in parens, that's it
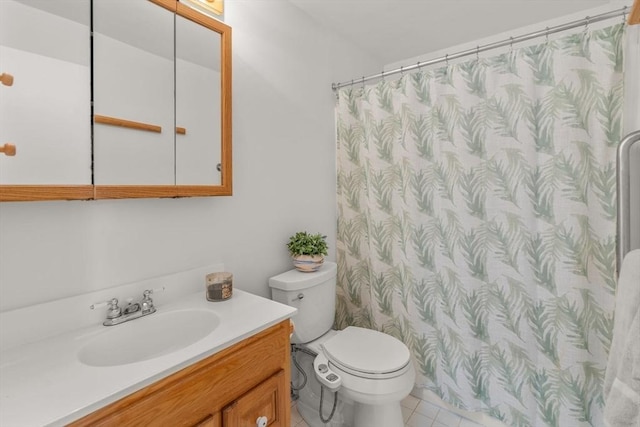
(113, 302)
(114, 310)
(146, 295)
(147, 303)
(148, 292)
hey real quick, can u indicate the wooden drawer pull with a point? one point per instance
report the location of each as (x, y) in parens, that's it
(6, 79)
(113, 121)
(181, 131)
(8, 149)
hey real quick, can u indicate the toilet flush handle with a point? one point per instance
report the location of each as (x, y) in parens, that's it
(299, 297)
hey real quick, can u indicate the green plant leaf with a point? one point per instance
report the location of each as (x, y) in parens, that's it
(303, 243)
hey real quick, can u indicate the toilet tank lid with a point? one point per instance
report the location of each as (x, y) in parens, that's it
(294, 280)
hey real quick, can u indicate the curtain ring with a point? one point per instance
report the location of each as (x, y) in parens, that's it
(546, 35)
(586, 25)
(478, 53)
(401, 71)
(362, 82)
(446, 59)
(510, 44)
(352, 83)
(382, 75)
(624, 14)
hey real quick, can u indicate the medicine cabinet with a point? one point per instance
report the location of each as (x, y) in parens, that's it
(141, 109)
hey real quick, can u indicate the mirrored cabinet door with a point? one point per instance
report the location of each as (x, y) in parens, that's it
(198, 101)
(133, 89)
(45, 111)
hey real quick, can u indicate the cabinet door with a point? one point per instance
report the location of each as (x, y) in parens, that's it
(210, 421)
(198, 102)
(265, 400)
(45, 112)
(133, 89)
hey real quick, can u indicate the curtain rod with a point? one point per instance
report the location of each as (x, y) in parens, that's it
(507, 42)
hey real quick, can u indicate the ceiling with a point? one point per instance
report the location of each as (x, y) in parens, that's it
(393, 30)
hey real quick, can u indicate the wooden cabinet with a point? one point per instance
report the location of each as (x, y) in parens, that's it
(210, 421)
(230, 388)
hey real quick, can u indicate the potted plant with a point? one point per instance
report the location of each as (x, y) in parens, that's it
(307, 250)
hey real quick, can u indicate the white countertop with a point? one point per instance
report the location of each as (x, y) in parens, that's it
(43, 383)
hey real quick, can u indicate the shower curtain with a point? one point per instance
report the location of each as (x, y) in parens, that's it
(476, 223)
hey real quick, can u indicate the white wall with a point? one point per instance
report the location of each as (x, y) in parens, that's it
(284, 180)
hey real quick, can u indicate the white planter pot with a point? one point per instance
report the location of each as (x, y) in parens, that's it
(308, 263)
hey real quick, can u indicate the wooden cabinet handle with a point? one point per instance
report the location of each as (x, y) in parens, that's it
(8, 149)
(6, 79)
(114, 121)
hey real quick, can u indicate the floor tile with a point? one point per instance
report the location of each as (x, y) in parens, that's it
(469, 423)
(419, 420)
(448, 418)
(410, 402)
(406, 413)
(427, 409)
(415, 413)
(295, 416)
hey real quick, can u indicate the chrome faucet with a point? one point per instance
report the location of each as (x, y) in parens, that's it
(147, 303)
(117, 315)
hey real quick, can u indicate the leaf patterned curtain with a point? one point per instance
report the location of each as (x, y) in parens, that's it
(476, 223)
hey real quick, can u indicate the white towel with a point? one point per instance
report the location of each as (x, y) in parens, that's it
(622, 379)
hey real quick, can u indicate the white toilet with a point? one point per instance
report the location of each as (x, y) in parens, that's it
(371, 371)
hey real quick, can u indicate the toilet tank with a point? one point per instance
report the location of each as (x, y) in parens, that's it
(313, 294)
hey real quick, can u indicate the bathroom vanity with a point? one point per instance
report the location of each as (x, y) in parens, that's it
(231, 388)
(192, 363)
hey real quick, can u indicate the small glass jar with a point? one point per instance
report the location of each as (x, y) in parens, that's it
(219, 286)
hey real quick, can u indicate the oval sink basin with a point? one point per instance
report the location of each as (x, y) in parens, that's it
(148, 337)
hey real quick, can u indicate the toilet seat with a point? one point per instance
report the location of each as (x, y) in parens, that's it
(367, 353)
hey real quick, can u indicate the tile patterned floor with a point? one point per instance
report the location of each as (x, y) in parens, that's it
(416, 413)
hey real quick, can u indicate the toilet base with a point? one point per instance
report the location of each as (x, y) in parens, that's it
(385, 415)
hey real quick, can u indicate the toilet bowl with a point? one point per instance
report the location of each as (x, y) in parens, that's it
(374, 370)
